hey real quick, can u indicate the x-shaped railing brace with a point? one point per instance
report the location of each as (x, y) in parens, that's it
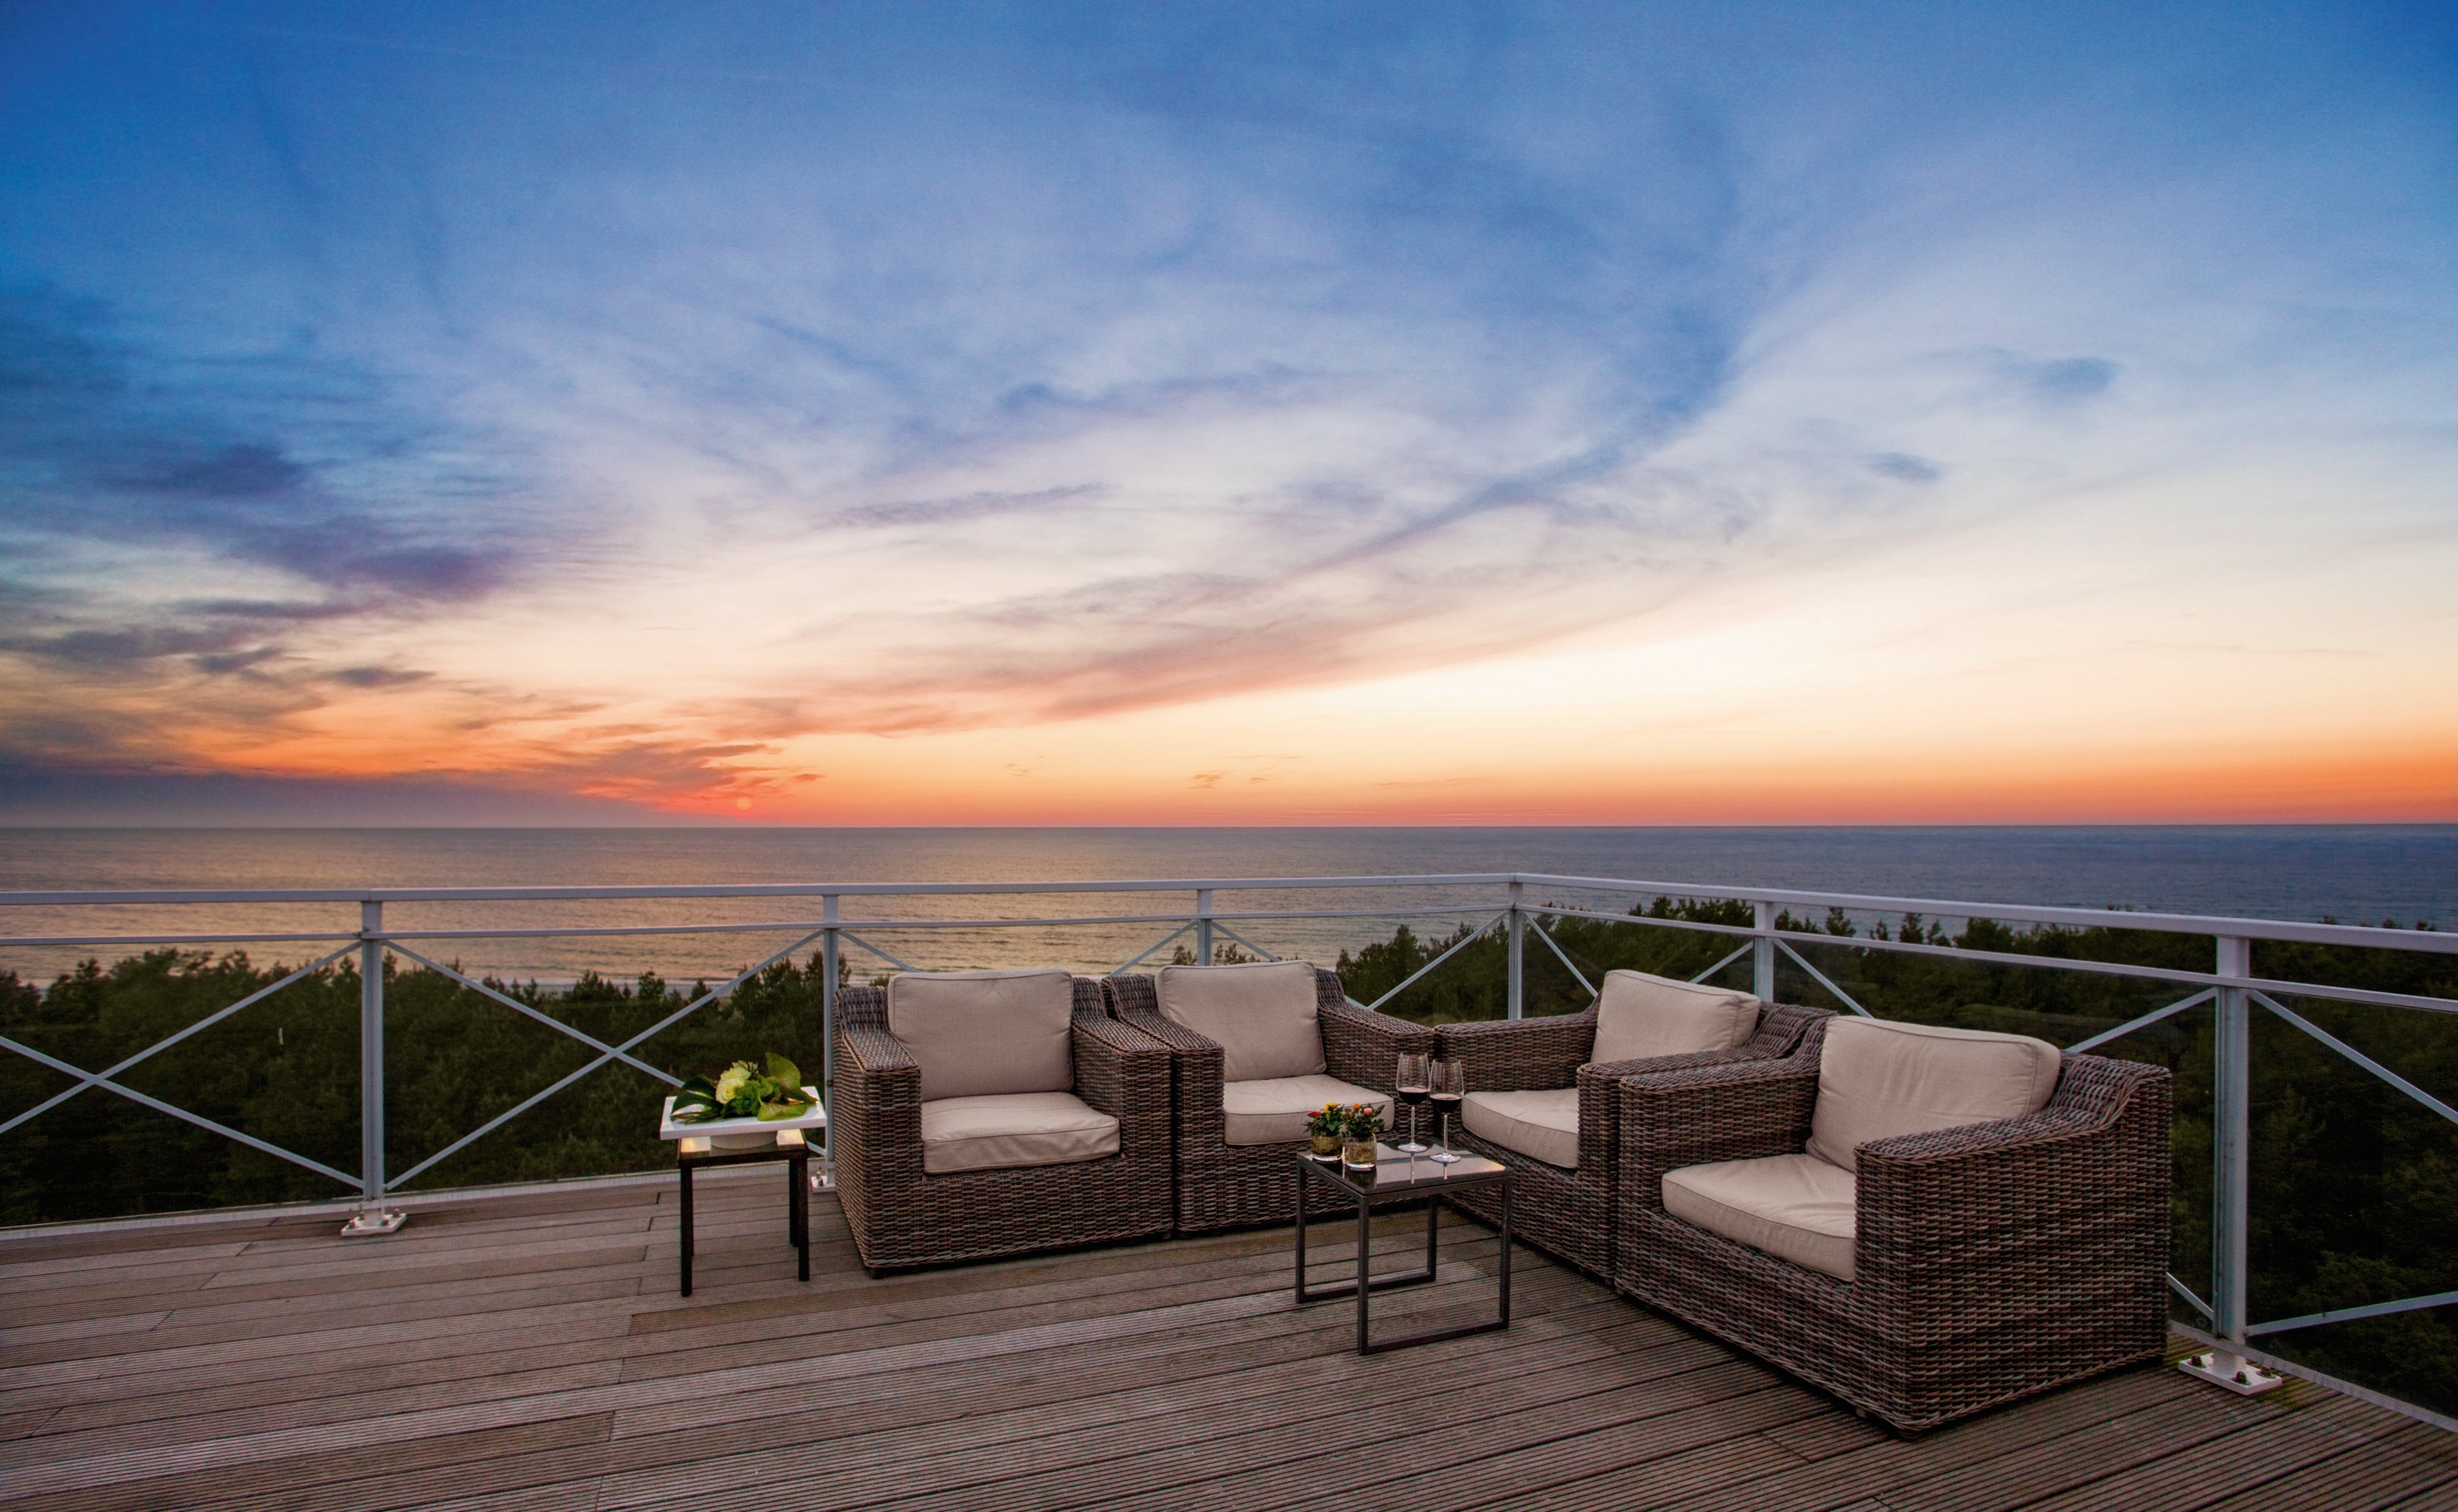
(607, 1053)
(104, 1079)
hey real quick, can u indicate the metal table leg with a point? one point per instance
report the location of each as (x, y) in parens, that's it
(799, 1171)
(686, 1228)
(1506, 1256)
(1303, 1173)
(1365, 1278)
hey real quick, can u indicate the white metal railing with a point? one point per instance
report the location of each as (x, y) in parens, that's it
(2229, 988)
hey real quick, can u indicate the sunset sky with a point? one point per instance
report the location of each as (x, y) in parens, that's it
(800, 413)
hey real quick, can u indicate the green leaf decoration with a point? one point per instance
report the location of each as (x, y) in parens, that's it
(771, 1098)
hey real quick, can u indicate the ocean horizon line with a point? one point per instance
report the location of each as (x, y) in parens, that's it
(724, 827)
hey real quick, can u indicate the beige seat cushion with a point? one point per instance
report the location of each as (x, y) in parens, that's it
(1014, 1128)
(1639, 1017)
(1878, 1078)
(1542, 1125)
(1273, 1111)
(1796, 1208)
(984, 1033)
(1262, 1014)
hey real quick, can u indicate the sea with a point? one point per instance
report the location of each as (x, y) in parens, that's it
(2368, 873)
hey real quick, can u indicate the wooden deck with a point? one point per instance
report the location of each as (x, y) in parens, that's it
(531, 1353)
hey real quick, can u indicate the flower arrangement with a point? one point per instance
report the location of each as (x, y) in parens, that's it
(1324, 1128)
(742, 1091)
(1360, 1123)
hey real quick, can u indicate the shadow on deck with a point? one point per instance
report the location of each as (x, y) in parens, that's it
(530, 1352)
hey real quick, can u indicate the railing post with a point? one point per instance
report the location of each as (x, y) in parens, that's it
(1203, 926)
(2231, 1147)
(372, 1216)
(828, 970)
(1518, 927)
(1763, 952)
(2231, 1133)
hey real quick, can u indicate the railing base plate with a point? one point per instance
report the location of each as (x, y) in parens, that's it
(362, 1224)
(2231, 1372)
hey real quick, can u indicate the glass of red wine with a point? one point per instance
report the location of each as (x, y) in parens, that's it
(1414, 1084)
(1450, 1084)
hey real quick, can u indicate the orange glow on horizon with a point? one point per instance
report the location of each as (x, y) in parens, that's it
(1494, 743)
(1846, 692)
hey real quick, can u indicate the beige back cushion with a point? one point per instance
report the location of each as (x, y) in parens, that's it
(1261, 1015)
(1639, 1017)
(1877, 1079)
(986, 1033)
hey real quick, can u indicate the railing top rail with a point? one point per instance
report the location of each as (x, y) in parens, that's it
(441, 895)
(2356, 935)
(2365, 935)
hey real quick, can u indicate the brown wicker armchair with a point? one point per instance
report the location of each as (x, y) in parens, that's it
(1221, 1184)
(905, 1216)
(1569, 1212)
(1989, 1262)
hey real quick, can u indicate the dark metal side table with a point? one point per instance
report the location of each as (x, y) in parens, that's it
(798, 1203)
(753, 1140)
(1397, 1178)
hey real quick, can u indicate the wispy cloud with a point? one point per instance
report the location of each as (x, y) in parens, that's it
(628, 407)
(282, 458)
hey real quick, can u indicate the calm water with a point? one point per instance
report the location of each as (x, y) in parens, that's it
(2351, 873)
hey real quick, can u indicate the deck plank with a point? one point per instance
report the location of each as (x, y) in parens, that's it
(2410, 1461)
(529, 1354)
(2286, 1448)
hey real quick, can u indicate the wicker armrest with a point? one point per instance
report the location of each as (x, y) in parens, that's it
(1121, 1071)
(1362, 1047)
(879, 1056)
(1731, 1111)
(2099, 1146)
(1610, 1071)
(1783, 1028)
(1509, 1055)
(1135, 999)
(1781, 1034)
(1599, 1084)
(1134, 1002)
(875, 1120)
(1178, 1037)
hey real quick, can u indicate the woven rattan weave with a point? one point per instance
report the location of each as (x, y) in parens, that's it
(902, 1216)
(1570, 1212)
(1994, 1262)
(1223, 1186)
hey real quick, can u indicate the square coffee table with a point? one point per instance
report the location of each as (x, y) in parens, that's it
(1399, 1178)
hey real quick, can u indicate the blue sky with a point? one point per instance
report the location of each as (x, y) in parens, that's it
(838, 413)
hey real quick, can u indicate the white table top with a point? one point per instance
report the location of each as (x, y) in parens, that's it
(699, 1135)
